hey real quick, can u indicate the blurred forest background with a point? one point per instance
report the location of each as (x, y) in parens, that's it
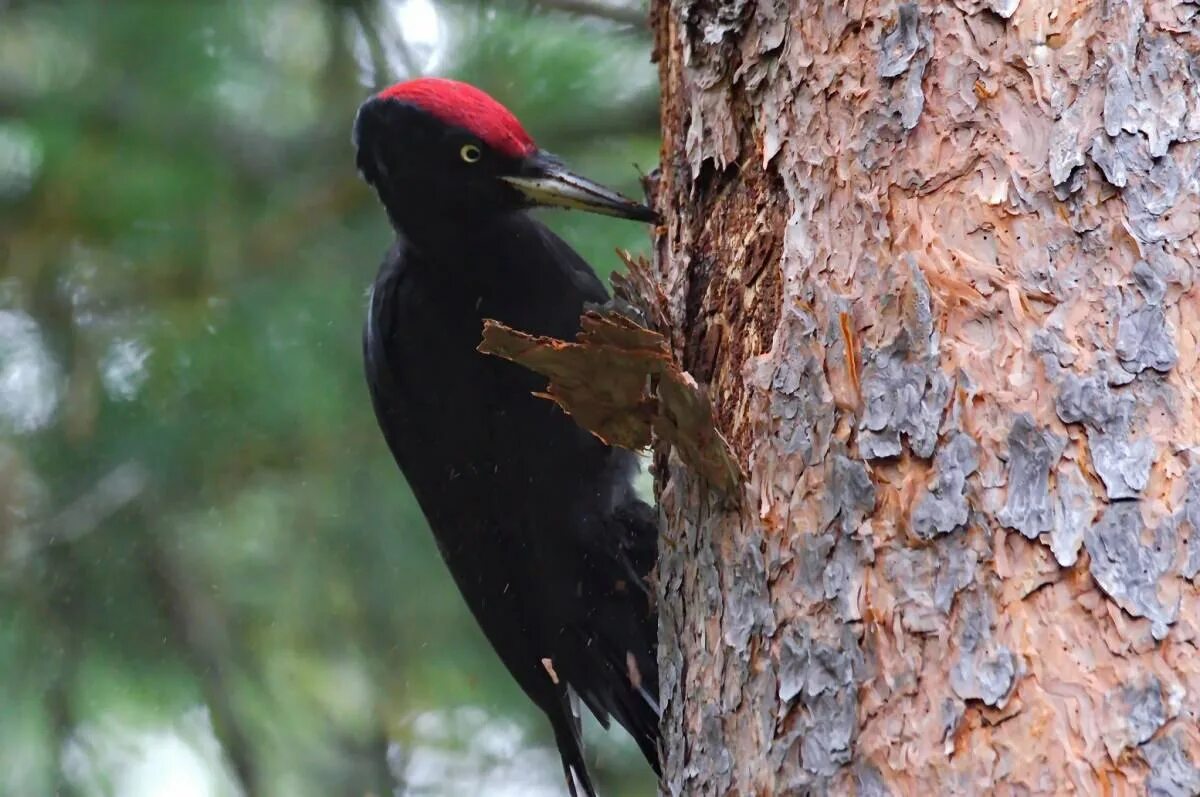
(213, 580)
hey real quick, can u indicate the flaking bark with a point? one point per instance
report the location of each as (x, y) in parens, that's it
(936, 265)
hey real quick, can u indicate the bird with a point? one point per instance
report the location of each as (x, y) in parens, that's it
(536, 518)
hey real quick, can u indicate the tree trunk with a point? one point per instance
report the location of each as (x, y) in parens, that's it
(937, 267)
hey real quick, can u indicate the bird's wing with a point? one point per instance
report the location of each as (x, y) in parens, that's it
(609, 648)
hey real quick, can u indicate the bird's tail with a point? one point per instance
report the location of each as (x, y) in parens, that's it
(568, 736)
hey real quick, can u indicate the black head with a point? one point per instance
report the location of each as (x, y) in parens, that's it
(439, 148)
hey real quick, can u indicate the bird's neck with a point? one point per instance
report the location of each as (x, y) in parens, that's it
(464, 248)
(456, 235)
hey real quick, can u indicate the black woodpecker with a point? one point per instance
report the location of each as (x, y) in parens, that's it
(536, 518)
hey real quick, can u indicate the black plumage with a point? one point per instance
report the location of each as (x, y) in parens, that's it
(535, 517)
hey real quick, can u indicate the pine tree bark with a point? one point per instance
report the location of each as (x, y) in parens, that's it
(937, 267)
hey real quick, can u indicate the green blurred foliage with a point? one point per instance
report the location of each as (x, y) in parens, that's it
(213, 579)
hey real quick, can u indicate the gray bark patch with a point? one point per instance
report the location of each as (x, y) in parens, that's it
(1144, 339)
(1120, 156)
(1123, 464)
(1032, 452)
(1156, 98)
(928, 578)
(1074, 509)
(793, 662)
(944, 506)
(1145, 712)
(811, 667)
(849, 493)
(870, 782)
(985, 670)
(805, 422)
(1066, 152)
(901, 43)
(823, 679)
(903, 54)
(812, 556)
(901, 398)
(826, 747)
(1128, 570)
(712, 749)
(748, 606)
(1172, 773)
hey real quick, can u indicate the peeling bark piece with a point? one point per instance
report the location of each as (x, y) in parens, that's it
(1128, 570)
(620, 381)
(1172, 772)
(1032, 452)
(1004, 8)
(637, 288)
(944, 507)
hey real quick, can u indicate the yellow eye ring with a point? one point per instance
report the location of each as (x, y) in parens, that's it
(470, 153)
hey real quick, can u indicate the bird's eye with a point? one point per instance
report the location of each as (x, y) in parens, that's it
(470, 153)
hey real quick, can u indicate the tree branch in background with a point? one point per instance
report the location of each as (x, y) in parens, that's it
(381, 33)
(633, 16)
(638, 116)
(370, 31)
(203, 643)
(116, 490)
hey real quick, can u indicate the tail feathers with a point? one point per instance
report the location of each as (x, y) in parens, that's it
(568, 737)
(621, 686)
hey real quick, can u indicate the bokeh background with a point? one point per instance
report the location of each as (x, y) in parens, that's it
(213, 580)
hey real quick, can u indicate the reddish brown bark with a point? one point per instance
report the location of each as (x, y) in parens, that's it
(937, 268)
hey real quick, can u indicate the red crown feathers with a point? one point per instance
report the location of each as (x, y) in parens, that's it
(465, 106)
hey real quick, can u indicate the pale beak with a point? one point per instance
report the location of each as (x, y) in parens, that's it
(548, 183)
